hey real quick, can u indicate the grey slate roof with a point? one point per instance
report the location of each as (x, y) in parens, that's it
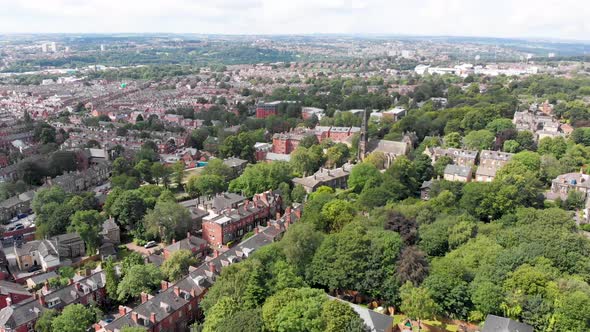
(7, 287)
(197, 282)
(502, 324)
(375, 321)
(463, 171)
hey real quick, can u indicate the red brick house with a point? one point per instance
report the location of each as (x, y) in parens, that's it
(264, 110)
(12, 293)
(230, 224)
(176, 306)
(21, 317)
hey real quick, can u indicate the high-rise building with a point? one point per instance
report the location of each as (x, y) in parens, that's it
(102, 48)
(44, 47)
(53, 47)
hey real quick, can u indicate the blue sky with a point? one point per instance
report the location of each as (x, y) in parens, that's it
(565, 19)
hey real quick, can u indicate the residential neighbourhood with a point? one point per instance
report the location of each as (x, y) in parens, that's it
(202, 183)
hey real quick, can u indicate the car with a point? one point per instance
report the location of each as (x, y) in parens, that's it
(22, 215)
(150, 244)
(18, 226)
(34, 268)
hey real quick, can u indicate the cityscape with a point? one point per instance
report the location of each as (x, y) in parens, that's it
(166, 168)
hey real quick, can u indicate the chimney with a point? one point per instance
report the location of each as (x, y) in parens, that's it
(46, 286)
(164, 285)
(122, 310)
(188, 235)
(255, 229)
(298, 212)
(42, 299)
(153, 318)
(278, 216)
(212, 267)
(8, 301)
(173, 241)
(144, 297)
(70, 281)
(177, 291)
(134, 316)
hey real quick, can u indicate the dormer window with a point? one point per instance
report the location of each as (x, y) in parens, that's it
(53, 302)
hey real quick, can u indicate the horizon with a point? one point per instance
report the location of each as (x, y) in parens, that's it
(502, 19)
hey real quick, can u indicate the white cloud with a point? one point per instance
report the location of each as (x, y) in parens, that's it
(504, 18)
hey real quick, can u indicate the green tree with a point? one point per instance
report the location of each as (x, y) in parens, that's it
(377, 159)
(479, 140)
(144, 168)
(305, 161)
(339, 316)
(168, 220)
(338, 213)
(511, 146)
(137, 279)
(499, 125)
(337, 155)
(556, 146)
(128, 207)
(300, 244)
(205, 184)
(74, 318)
(417, 303)
(176, 266)
(178, 169)
(218, 168)
(112, 280)
(298, 194)
(295, 310)
(364, 175)
(44, 323)
(52, 212)
(342, 259)
(219, 313)
(88, 224)
(452, 140)
(261, 177)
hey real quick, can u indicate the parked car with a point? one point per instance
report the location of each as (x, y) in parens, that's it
(34, 268)
(22, 215)
(18, 226)
(150, 244)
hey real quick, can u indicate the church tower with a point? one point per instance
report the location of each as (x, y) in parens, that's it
(364, 138)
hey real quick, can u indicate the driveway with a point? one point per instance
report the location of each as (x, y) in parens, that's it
(140, 249)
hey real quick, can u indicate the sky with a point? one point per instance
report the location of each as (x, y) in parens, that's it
(560, 19)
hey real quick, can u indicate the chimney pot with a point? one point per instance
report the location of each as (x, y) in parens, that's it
(122, 310)
(176, 291)
(153, 318)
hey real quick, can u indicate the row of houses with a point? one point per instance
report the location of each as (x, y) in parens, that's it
(176, 305)
(85, 288)
(464, 161)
